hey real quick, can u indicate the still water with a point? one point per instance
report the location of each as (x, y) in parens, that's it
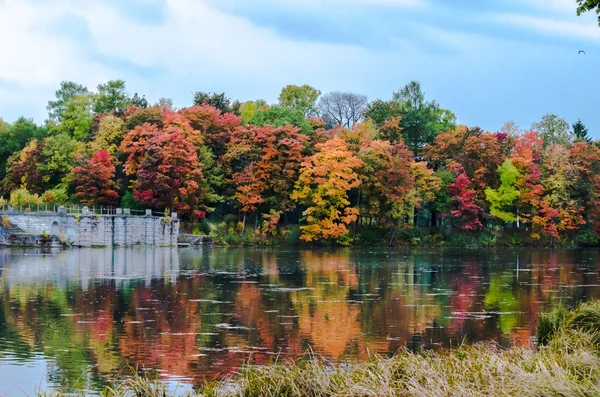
(83, 317)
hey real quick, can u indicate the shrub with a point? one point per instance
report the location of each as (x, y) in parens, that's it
(22, 197)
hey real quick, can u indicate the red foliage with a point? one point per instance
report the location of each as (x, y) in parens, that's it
(93, 180)
(464, 208)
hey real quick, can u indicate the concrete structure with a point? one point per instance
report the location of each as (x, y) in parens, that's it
(89, 230)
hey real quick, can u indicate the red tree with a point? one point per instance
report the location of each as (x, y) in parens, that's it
(464, 208)
(93, 180)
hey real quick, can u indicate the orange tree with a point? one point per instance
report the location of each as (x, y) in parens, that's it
(325, 180)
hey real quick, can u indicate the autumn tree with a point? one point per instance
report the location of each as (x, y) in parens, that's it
(302, 98)
(466, 212)
(502, 199)
(169, 175)
(264, 163)
(478, 152)
(526, 156)
(559, 212)
(93, 180)
(22, 169)
(325, 180)
(109, 135)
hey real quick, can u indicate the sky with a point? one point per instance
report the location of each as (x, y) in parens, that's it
(488, 61)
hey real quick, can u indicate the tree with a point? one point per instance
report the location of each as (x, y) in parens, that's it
(504, 197)
(478, 152)
(526, 156)
(93, 180)
(342, 108)
(419, 121)
(22, 169)
(463, 207)
(138, 101)
(422, 120)
(76, 118)
(264, 163)
(111, 130)
(302, 98)
(111, 97)
(553, 130)
(558, 212)
(588, 5)
(60, 155)
(219, 101)
(215, 126)
(169, 175)
(325, 180)
(165, 103)
(67, 90)
(511, 129)
(382, 111)
(386, 179)
(13, 138)
(581, 132)
(279, 116)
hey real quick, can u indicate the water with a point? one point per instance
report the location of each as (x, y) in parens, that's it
(83, 317)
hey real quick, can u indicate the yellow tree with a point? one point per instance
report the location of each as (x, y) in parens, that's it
(325, 180)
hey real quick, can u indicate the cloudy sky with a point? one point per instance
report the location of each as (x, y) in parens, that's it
(489, 61)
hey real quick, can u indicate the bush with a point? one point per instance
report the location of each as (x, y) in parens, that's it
(22, 197)
(57, 196)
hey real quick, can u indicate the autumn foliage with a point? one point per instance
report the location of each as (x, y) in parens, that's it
(290, 170)
(94, 180)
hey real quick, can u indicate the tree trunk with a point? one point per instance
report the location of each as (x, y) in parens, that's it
(392, 239)
(244, 223)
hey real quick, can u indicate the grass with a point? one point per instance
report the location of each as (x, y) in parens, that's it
(566, 363)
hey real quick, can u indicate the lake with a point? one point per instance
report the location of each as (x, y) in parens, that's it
(83, 317)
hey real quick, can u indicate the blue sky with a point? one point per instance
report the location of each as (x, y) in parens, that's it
(488, 61)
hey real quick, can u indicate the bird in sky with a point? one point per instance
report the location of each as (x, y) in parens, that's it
(581, 51)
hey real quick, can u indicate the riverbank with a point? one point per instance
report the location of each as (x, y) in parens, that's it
(566, 362)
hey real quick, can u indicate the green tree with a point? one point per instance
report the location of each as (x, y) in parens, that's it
(138, 101)
(588, 5)
(504, 197)
(111, 97)
(219, 101)
(76, 118)
(59, 157)
(422, 120)
(303, 98)
(279, 116)
(553, 130)
(581, 132)
(67, 90)
(248, 108)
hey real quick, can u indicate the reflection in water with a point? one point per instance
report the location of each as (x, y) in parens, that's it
(80, 317)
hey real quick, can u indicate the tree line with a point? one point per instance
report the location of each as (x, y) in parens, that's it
(334, 166)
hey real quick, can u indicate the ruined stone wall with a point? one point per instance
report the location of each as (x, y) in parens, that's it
(88, 230)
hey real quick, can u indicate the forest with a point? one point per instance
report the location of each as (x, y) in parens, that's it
(330, 168)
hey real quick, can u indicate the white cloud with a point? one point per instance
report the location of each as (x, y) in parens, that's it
(576, 30)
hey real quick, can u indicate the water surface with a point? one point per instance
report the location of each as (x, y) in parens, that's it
(82, 317)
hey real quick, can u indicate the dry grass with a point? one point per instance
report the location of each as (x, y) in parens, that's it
(568, 364)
